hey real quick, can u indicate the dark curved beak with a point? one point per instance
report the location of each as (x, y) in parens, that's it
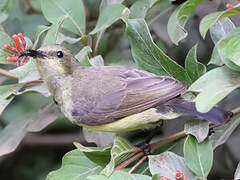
(32, 53)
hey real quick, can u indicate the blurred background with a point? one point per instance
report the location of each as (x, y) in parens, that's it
(41, 152)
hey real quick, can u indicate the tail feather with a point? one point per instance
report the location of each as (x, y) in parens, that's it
(215, 115)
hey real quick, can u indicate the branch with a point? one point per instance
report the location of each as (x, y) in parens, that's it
(4, 72)
(166, 140)
(129, 161)
(53, 139)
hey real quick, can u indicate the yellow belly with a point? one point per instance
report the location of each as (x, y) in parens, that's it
(143, 120)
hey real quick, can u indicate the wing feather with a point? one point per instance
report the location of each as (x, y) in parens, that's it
(137, 91)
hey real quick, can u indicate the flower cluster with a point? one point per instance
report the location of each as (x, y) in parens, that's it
(230, 6)
(178, 176)
(18, 50)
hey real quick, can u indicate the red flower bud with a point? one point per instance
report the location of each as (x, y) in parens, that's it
(229, 6)
(12, 59)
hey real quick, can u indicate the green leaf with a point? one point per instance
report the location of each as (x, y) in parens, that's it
(214, 86)
(97, 61)
(61, 38)
(5, 39)
(217, 57)
(109, 15)
(223, 132)
(40, 30)
(120, 151)
(75, 166)
(27, 72)
(194, 68)
(158, 9)
(237, 172)
(147, 54)
(5, 8)
(198, 128)
(198, 156)
(167, 164)
(52, 34)
(100, 156)
(212, 18)
(40, 88)
(53, 9)
(4, 103)
(120, 175)
(7, 94)
(139, 8)
(105, 3)
(178, 20)
(12, 135)
(8, 90)
(82, 56)
(101, 139)
(229, 50)
(221, 28)
(43, 117)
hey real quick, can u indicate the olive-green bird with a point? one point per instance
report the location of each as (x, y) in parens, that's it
(113, 98)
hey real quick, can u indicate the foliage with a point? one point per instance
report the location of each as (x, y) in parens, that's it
(67, 22)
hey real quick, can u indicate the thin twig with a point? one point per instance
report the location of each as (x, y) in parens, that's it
(29, 7)
(99, 36)
(53, 139)
(137, 164)
(31, 83)
(128, 161)
(168, 139)
(4, 72)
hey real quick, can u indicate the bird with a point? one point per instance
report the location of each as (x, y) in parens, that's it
(114, 98)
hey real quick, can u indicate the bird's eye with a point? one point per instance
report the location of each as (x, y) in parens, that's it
(60, 54)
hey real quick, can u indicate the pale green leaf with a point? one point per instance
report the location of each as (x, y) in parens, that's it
(100, 156)
(5, 7)
(75, 166)
(52, 34)
(120, 175)
(194, 68)
(198, 128)
(237, 172)
(198, 156)
(101, 139)
(219, 58)
(121, 150)
(109, 15)
(82, 56)
(148, 55)
(105, 3)
(221, 28)
(139, 8)
(97, 61)
(222, 80)
(178, 20)
(223, 132)
(212, 18)
(53, 9)
(5, 39)
(40, 30)
(167, 163)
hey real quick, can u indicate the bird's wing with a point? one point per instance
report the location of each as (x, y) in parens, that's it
(136, 91)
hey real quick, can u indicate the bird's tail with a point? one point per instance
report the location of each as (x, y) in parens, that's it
(215, 115)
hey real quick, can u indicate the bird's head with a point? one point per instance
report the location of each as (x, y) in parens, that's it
(53, 59)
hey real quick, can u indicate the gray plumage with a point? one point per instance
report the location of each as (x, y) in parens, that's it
(109, 93)
(99, 95)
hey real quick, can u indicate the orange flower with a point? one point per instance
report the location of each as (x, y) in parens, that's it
(229, 6)
(18, 50)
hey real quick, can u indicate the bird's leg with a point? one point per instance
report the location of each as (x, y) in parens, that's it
(145, 145)
(211, 131)
(55, 101)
